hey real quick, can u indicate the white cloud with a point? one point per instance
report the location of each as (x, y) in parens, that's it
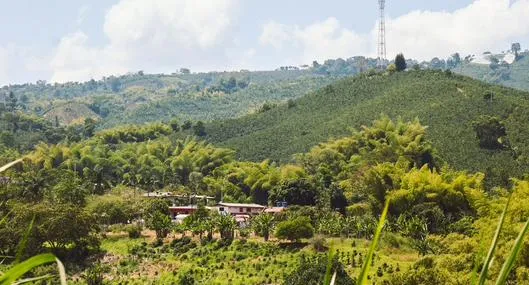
(275, 34)
(482, 25)
(154, 35)
(20, 64)
(318, 41)
(74, 60)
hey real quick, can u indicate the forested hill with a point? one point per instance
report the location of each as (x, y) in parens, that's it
(456, 109)
(514, 75)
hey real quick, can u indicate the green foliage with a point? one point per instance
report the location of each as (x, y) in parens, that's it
(134, 230)
(400, 62)
(295, 229)
(158, 218)
(446, 104)
(199, 129)
(14, 274)
(311, 270)
(491, 133)
(225, 225)
(133, 133)
(362, 277)
(94, 274)
(263, 225)
(198, 222)
(114, 209)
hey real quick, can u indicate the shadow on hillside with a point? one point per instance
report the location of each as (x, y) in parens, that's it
(292, 246)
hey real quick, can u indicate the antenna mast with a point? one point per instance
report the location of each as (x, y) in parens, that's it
(382, 35)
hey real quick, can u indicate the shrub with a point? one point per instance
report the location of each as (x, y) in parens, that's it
(294, 230)
(311, 271)
(94, 274)
(134, 230)
(319, 243)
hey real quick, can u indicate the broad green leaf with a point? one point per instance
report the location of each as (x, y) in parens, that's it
(24, 267)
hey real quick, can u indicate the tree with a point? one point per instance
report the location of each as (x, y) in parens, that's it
(515, 48)
(294, 230)
(263, 225)
(174, 125)
(400, 62)
(226, 225)
(160, 223)
(491, 132)
(187, 125)
(392, 68)
(184, 70)
(115, 84)
(197, 222)
(89, 127)
(199, 129)
(453, 61)
(416, 229)
(158, 218)
(63, 228)
(12, 102)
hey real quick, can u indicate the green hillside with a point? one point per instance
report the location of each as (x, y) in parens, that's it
(514, 75)
(140, 98)
(447, 103)
(70, 113)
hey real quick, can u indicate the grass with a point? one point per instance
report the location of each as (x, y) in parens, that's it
(120, 245)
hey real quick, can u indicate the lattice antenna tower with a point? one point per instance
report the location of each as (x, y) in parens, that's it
(381, 63)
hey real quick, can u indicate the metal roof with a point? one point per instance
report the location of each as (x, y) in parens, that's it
(241, 205)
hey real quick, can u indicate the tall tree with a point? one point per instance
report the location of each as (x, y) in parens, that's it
(400, 62)
(263, 225)
(515, 48)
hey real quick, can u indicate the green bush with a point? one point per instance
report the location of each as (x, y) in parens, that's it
(134, 230)
(294, 230)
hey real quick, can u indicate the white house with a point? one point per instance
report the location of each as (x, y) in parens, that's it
(236, 209)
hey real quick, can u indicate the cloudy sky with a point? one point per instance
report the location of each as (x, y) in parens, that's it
(76, 40)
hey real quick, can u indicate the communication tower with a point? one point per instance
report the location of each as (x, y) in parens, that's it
(381, 60)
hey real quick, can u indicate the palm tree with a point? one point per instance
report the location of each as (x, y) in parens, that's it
(263, 225)
(226, 225)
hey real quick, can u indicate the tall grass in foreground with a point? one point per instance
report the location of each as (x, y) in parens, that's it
(508, 265)
(13, 275)
(506, 269)
(362, 277)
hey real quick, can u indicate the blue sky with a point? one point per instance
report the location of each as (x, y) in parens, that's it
(74, 40)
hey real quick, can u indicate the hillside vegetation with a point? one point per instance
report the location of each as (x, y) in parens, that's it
(450, 105)
(76, 201)
(514, 75)
(140, 98)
